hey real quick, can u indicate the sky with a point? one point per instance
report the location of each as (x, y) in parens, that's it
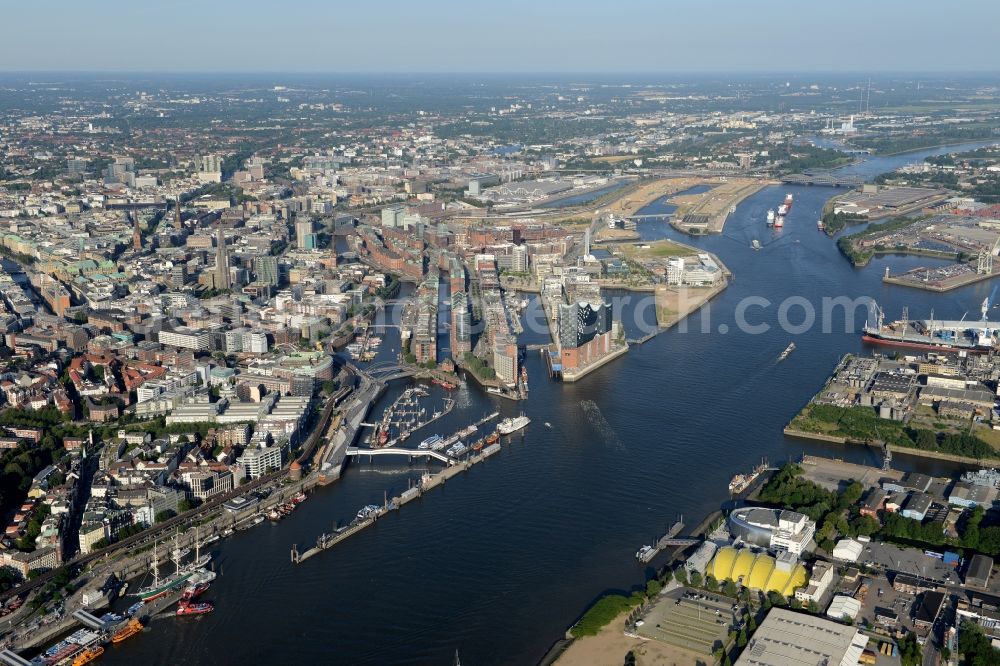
(500, 35)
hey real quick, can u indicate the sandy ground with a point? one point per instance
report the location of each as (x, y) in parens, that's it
(609, 647)
(716, 202)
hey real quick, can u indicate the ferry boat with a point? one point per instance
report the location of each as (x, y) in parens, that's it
(367, 511)
(788, 350)
(645, 554)
(429, 442)
(779, 222)
(740, 482)
(457, 449)
(128, 631)
(194, 608)
(770, 217)
(88, 655)
(977, 337)
(510, 425)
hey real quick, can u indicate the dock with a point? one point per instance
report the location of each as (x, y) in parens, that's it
(428, 482)
(668, 540)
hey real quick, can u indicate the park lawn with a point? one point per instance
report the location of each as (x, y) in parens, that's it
(657, 249)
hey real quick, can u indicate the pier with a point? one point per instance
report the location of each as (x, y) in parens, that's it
(670, 539)
(427, 483)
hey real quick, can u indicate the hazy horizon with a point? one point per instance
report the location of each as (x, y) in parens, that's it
(519, 37)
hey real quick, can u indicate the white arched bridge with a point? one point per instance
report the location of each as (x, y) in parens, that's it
(427, 453)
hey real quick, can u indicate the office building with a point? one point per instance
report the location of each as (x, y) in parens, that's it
(304, 235)
(265, 269)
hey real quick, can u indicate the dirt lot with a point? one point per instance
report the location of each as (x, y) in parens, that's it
(609, 647)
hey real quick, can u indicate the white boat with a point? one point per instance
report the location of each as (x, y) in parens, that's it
(509, 425)
(429, 442)
(788, 350)
(779, 222)
(782, 210)
(770, 217)
(755, 244)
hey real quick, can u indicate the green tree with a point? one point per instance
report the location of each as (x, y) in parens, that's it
(681, 575)
(696, 579)
(653, 588)
(741, 640)
(910, 652)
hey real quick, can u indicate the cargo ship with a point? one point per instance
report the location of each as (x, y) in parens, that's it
(741, 482)
(128, 631)
(510, 425)
(977, 337)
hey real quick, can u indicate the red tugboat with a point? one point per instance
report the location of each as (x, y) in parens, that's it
(299, 499)
(186, 608)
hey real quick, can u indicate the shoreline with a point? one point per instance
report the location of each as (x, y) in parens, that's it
(894, 448)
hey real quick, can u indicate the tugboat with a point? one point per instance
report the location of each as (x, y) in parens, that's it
(755, 244)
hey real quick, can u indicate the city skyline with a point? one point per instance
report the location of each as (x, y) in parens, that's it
(450, 37)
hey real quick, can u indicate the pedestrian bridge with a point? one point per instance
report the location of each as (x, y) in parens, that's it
(427, 453)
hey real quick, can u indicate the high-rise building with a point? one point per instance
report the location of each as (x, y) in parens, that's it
(77, 166)
(304, 235)
(209, 168)
(519, 259)
(265, 270)
(392, 216)
(221, 261)
(210, 163)
(178, 275)
(584, 333)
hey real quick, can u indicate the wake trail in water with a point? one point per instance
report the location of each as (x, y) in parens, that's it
(601, 425)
